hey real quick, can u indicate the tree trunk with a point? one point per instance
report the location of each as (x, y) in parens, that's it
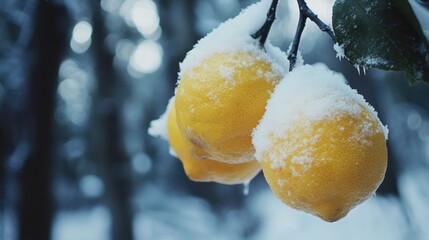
(48, 45)
(107, 133)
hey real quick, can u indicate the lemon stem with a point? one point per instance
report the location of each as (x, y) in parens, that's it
(304, 13)
(263, 32)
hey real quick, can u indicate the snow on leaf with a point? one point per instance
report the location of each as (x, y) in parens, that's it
(340, 51)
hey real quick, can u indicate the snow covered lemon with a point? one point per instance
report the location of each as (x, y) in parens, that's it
(224, 84)
(207, 170)
(221, 100)
(321, 146)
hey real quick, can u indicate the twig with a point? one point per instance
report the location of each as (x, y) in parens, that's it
(294, 50)
(263, 32)
(304, 13)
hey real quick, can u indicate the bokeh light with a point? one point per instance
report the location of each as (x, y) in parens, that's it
(110, 5)
(145, 17)
(74, 92)
(81, 38)
(91, 186)
(141, 163)
(147, 57)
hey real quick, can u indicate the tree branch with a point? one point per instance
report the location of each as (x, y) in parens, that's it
(294, 50)
(263, 32)
(313, 17)
(304, 13)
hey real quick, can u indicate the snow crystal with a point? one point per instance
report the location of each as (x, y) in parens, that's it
(235, 35)
(227, 73)
(213, 98)
(312, 93)
(280, 56)
(282, 182)
(302, 159)
(339, 50)
(373, 60)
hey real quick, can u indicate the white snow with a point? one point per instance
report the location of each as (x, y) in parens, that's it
(374, 60)
(235, 35)
(414, 193)
(376, 218)
(158, 127)
(227, 73)
(281, 57)
(306, 95)
(93, 224)
(159, 214)
(299, 60)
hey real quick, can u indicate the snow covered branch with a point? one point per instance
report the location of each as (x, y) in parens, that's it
(263, 32)
(304, 13)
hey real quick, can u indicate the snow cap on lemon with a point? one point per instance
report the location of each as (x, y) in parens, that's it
(235, 35)
(313, 92)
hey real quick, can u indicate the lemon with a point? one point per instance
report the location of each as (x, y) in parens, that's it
(322, 148)
(220, 101)
(207, 170)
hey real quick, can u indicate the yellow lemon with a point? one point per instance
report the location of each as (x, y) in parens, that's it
(207, 170)
(221, 100)
(322, 148)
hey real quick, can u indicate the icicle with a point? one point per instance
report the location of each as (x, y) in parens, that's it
(246, 188)
(357, 68)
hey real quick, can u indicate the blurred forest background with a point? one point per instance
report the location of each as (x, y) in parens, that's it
(80, 82)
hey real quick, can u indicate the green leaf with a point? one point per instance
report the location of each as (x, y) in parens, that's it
(382, 34)
(407, 11)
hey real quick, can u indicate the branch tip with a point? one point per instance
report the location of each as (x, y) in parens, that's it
(263, 32)
(304, 13)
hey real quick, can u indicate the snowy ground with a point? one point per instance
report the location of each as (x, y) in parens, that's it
(170, 216)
